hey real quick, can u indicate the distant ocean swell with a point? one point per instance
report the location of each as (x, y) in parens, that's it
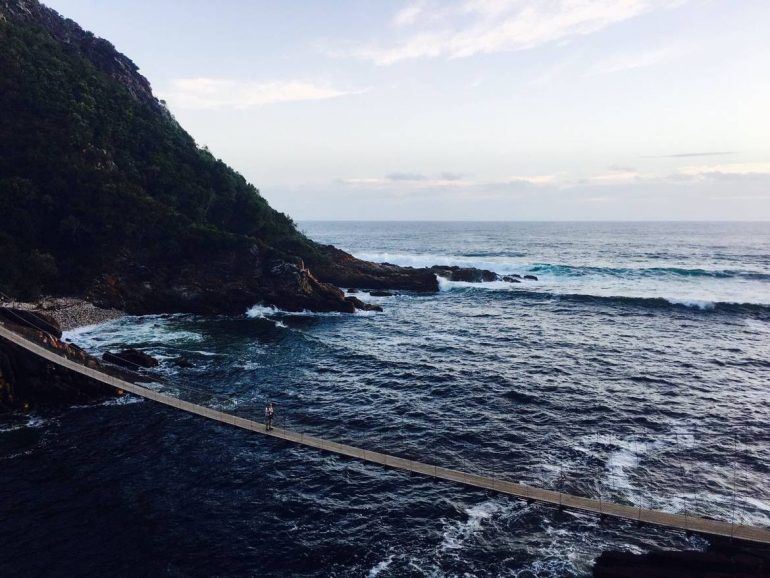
(754, 309)
(497, 263)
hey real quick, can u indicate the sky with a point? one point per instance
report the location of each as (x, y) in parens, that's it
(467, 109)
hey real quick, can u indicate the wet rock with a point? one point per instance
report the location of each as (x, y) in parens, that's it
(181, 362)
(352, 290)
(467, 274)
(28, 381)
(131, 358)
(512, 279)
(530, 277)
(360, 305)
(32, 319)
(380, 293)
(229, 283)
(335, 266)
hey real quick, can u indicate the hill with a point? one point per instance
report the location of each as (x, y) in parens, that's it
(104, 195)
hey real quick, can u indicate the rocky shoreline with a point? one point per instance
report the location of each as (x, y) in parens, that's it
(27, 381)
(69, 312)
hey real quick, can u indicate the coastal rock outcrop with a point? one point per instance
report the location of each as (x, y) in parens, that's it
(28, 381)
(229, 282)
(335, 266)
(467, 274)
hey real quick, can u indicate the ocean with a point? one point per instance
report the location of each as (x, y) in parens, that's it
(634, 369)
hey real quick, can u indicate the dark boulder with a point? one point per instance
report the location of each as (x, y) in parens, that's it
(531, 277)
(131, 358)
(360, 305)
(28, 381)
(352, 290)
(467, 274)
(33, 320)
(182, 362)
(512, 279)
(380, 293)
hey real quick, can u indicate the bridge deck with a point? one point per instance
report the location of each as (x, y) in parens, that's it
(601, 507)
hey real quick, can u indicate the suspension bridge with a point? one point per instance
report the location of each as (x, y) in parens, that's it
(603, 508)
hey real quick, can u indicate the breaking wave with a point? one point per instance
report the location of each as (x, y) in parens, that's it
(515, 263)
(519, 291)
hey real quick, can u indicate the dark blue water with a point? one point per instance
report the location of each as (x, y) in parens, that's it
(635, 369)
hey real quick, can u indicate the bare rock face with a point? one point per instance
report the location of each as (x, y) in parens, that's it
(342, 269)
(28, 381)
(229, 283)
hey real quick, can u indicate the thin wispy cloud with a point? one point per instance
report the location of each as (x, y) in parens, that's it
(631, 61)
(761, 168)
(696, 154)
(469, 27)
(214, 93)
(405, 181)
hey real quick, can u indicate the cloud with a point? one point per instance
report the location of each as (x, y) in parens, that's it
(465, 28)
(411, 13)
(699, 154)
(405, 177)
(413, 181)
(733, 169)
(630, 61)
(213, 93)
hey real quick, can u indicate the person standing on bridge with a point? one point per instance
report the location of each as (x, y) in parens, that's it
(269, 412)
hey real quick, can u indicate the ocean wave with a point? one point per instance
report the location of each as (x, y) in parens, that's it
(511, 290)
(28, 422)
(559, 270)
(138, 331)
(266, 312)
(456, 534)
(509, 263)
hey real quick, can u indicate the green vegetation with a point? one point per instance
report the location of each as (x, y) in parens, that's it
(90, 174)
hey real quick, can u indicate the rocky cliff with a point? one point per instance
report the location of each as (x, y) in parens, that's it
(28, 381)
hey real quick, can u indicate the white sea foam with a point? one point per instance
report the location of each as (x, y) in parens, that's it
(380, 567)
(264, 312)
(131, 331)
(701, 304)
(624, 280)
(502, 265)
(31, 422)
(457, 533)
(447, 285)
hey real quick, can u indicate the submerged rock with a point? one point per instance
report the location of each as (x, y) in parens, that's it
(380, 293)
(531, 277)
(182, 362)
(512, 279)
(467, 274)
(131, 358)
(358, 304)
